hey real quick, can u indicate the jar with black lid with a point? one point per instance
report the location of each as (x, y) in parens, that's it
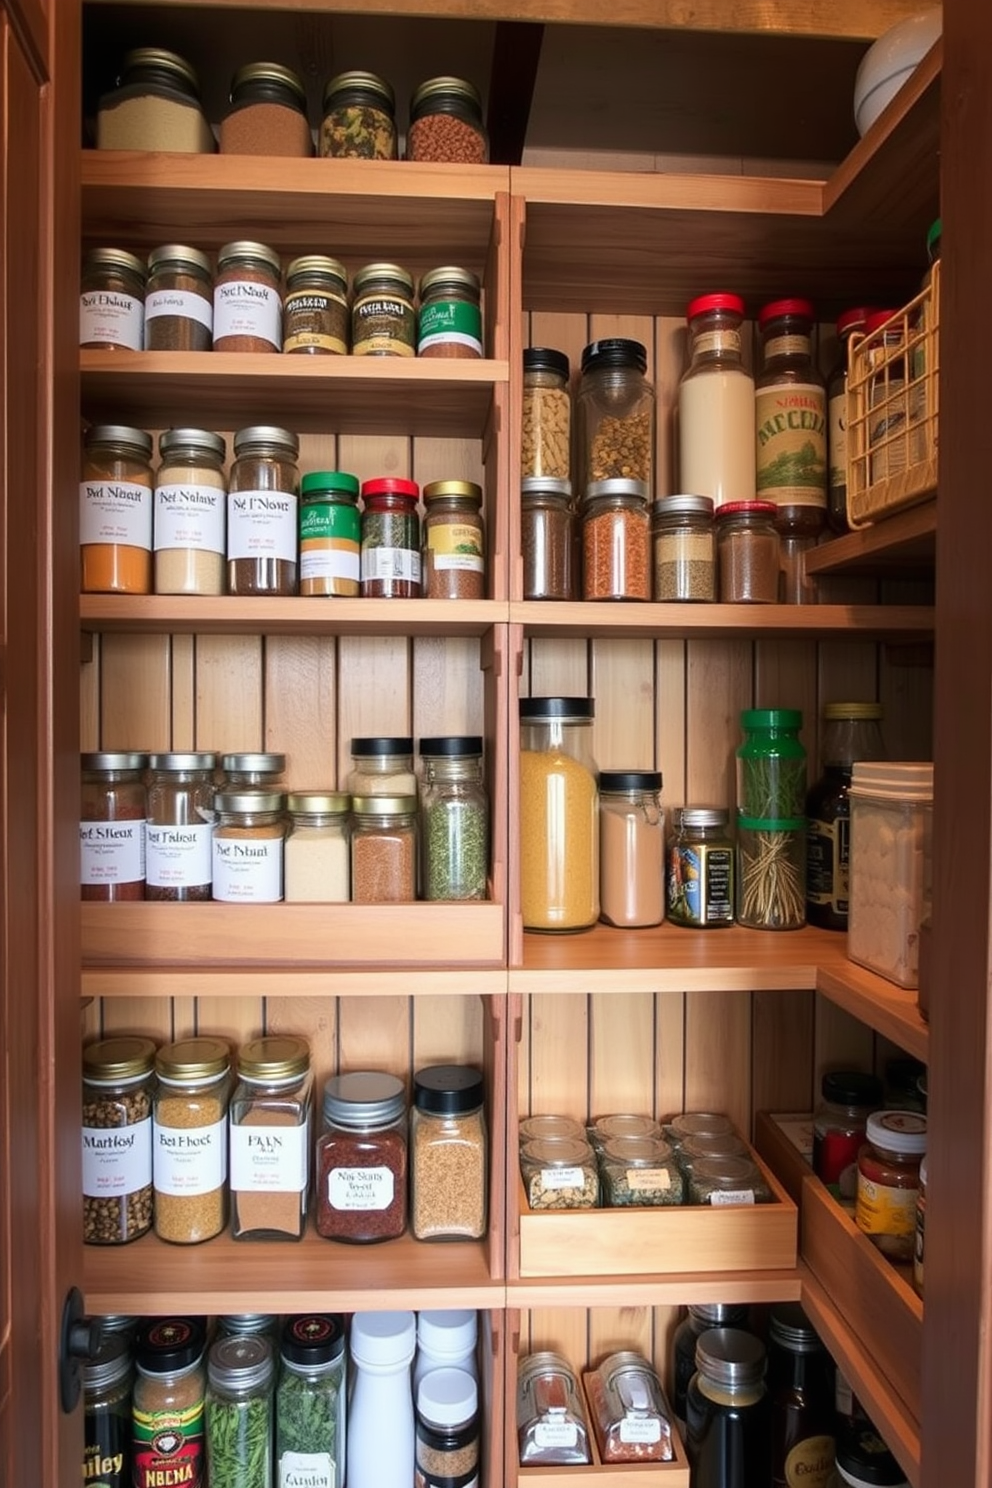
(864, 1461)
(259, 771)
(315, 315)
(383, 318)
(699, 1317)
(262, 502)
(615, 413)
(268, 113)
(382, 765)
(112, 301)
(310, 1400)
(448, 1161)
(791, 420)
(179, 300)
(118, 1085)
(447, 1430)
(107, 1413)
(179, 827)
(170, 1383)
(446, 123)
(155, 106)
(454, 818)
(359, 117)
(801, 1389)
(545, 435)
(248, 298)
(728, 1420)
(112, 826)
(848, 1098)
(547, 538)
(449, 322)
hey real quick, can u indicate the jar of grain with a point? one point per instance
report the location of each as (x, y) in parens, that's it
(446, 123)
(449, 323)
(115, 511)
(270, 1139)
(189, 1139)
(384, 849)
(359, 118)
(684, 548)
(179, 302)
(748, 552)
(169, 1385)
(447, 1427)
(112, 826)
(262, 518)
(454, 556)
(383, 319)
(118, 1086)
(448, 1158)
(240, 1412)
(616, 541)
(889, 1181)
(559, 1174)
(716, 404)
(639, 1171)
(545, 435)
(559, 815)
(382, 766)
(247, 299)
(631, 848)
(547, 538)
(179, 829)
(700, 877)
(615, 415)
(330, 534)
(155, 106)
(391, 560)
(318, 854)
(268, 113)
(362, 1158)
(107, 1381)
(310, 1400)
(315, 316)
(245, 772)
(190, 513)
(112, 301)
(248, 847)
(455, 816)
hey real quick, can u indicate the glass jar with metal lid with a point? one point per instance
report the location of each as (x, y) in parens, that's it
(728, 1180)
(362, 1158)
(547, 538)
(545, 434)
(112, 826)
(268, 113)
(270, 1139)
(631, 848)
(248, 846)
(115, 511)
(384, 849)
(383, 318)
(728, 1419)
(107, 1414)
(700, 875)
(848, 1098)
(261, 771)
(449, 322)
(446, 123)
(551, 1128)
(310, 1399)
(189, 1139)
(551, 1423)
(169, 1385)
(449, 1150)
(247, 298)
(179, 301)
(455, 818)
(749, 552)
(615, 414)
(629, 1410)
(330, 534)
(239, 1412)
(710, 1144)
(889, 1180)
(391, 552)
(179, 826)
(636, 1172)
(616, 540)
(318, 853)
(155, 106)
(683, 548)
(622, 1124)
(112, 301)
(697, 1124)
(118, 1085)
(262, 519)
(382, 765)
(559, 815)
(699, 1317)
(559, 1174)
(315, 315)
(190, 513)
(454, 554)
(359, 117)
(241, 1324)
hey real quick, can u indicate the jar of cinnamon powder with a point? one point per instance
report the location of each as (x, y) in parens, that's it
(115, 511)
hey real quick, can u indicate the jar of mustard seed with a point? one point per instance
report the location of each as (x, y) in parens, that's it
(359, 118)
(155, 106)
(684, 549)
(262, 516)
(268, 113)
(112, 301)
(179, 301)
(454, 556)
(547, 538)
(248, 847)
(248, 299)
(115, 511)
(383, 318)
(112, 826)
(190, 513)
(179, 827)
(449, 323)
(315, 316)
(330, 534)
(446, 123)
(616, 541)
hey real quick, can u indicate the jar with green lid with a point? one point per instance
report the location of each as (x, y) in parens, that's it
(639, 1172)
(771, 820)
(851, 733)
(248, 846)
(189, 1139)
(383, 318)
(359, 117)
(310, 1401)
(179, 308)
(179, 827)
(616, 540)
(547, 538)
(317, 853)
(315, 315)
(270, 1139)
(116, 511)
(248, 298)
(107, 1414)
(545, 433)
(169, 1386)
(851, 323)
(454, 554)
(631, 848)
(155, 106)
(700, 869)
(559, 1174)
(240, 1413)
(190, 528)
(559, 815)
(382, 765)
(330, 534)
(268, 113)
(728, 1418)
(683, 541)
(262, 507)
(252, 771)
(449, 322)
(615, 415)
(118, 1086)
(446, 123)
(384, 849)
(112, 826)
(112, 301)
(455, 818)
(362, 1159)
(790, 406)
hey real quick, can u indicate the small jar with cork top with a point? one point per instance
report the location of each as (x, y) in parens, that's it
(262, 512)
(270, 1139)
(179, 300)
(190, 513)
(179, 827)
(112, 301)
(115, 510)
(248, 845)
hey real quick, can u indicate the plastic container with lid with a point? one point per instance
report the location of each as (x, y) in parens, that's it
(771, 820)
(179, 827)
(449, 1156)
(547, 538)
(362, 1158)
(446, 1339)
(631, 848)
(559, 1174)
(615, 415)
(317, 856)
(454, 555)
(170, 1381)
(551, 1423)
(262, 505)
(700, 868)
(383, 318)
(849, 1098)
(310, 1400)
(801, 1390)
(449, 321)
(107, 1413)
(891, 820)
(190, 524)
(316, 320)
(118, 1088)
(330, 534)
(155, 106)
(716, 404)
(248, 298)
(699, 1317)
(628, 1410)
(728, 1418)
(112, 815)
(545, 435)
(850, 732)
(268, 113)
(248, 846)
(270, 1139)
(850, 323)
(446, 123)
(447, 1431)
(708, 1145)
(683, 549)
(252, 771)
(724, 1181)
(116, 511)
(454, 811)
(550, 1128)
(889, 1181)
(381, 1423)
(112, 301)
(790, 404)
(864, 1461)
(559, 815)
(616, 540)
(697, 1124)
(189, 1139)
(359, 117)
(391, 563)
(637, 1172)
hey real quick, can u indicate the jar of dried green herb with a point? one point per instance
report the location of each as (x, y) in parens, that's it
(315, 319)
(383, 318)
(359, 118)
(455, 816)
(391, 560)
(771, 820)
(179, 310)
(239, 1412)
(310, 1402)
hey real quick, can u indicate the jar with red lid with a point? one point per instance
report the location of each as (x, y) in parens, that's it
(791, 420)
(889, 1181)
(390, 539)
(716, 404)
(848, 1098)
(847, 324)
(748, 552)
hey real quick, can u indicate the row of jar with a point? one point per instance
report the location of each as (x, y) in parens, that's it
(156, 106)
(176, 837)
(167, 1143)
(176, 303)
(261, 530)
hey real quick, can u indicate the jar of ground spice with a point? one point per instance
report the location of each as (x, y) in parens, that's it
(391, 562)
(330, 534)
(616, 541)
(262, 503)
(112, 301)
(118, 1084)
(179, 301)
(447, 1427)
(449, 323)
(248, 847)
(448, 1154)
(189, 1139)
(455, 818)
(268, 113)
(155, 106)
(362, 1158)
(247, 772)
(247, 299)
(179, 827)
(359, 118)
(115, 511)
(190, 513)
(112, 826)
(384, 849)
(615, 414)
(169, 1388)
(383, 318)
(547, 537)
(318, 852)
(748, 552)
(446, 123)
(382, 766)
(545, 434)
(315, 316)
(684, 548)
(270, 1139)
(454, 557)
(700, 874)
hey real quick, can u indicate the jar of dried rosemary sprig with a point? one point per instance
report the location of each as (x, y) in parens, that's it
(771, 820)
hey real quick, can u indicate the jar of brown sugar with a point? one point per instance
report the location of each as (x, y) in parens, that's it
(454, 564)
(315, 310)
(359, 118)
(190, 513)
(115, 511)
(446, 123)
(270, 1139)
(179, 828)
(112, 827)
(179, 302)
(383, 320)
(362, 1158)
(112, 301)
(248, 847)
(262, 501)
(616, 541)
(384, 849)
(189, 1139)
(268, 113)
(450, 320)
(547, 538)
(247, 299)
(748, 552)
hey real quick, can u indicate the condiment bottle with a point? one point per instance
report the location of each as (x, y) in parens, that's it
(310, 1401)
(382, 765)
(262, 512)
(115, 511)
(771, 820)
(317, 858)
(449, 321)
(391, 559)
(248, 847)
(190, 513)
(383, 318)
(631, 848)
(454, 818)
(381, 1439)
(454, 556)
(268, 113)
(748, 552)
(888, 399)
(359, 117)
(700, 870)
(728, 1423)
(447, 1428)
(716, 404)
(107, 1413)
(112, 826)
(362, 1159)
(446, 1339)
(616, 540)
(545, 435)
(179, 828)
(155, 106)
(239, 1412)
(551, 1424)
(683, 542)
(248, 298)
(699, 1317)
(315, 315)
(791, 425)
(851, 322)
(446, 123)
(801, 1389)
(851, 733)
(864, 1461)
(253, 771)
(112, 301)
(559, 815)
(448, 1163)
(179, 300)
(270, 1139)
(383, 849)
(889, 1181)
(118, 1085)
(169, 1384)
(189, 1139)
(547, 538)
(615, 414)
(330, 534)
(848, 1098)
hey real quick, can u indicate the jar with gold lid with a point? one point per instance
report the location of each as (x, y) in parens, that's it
(454, 565)
(189, 1139)
(359, 118)
(270, 1180)
(315, 317)
(115, 511)
(383, 319)
(268, 113)
(248, 298)
(449, 323)
(112, 301)
(118, 1085)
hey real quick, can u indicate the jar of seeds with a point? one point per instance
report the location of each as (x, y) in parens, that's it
(684, 548)
(547, 415)
(189, 1139)
(446, 123)
(118, 1085)
(559, 1174)
(448, 1156)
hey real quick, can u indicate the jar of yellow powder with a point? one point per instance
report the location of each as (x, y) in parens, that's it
(559, 806)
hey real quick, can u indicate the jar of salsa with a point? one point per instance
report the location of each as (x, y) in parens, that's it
(889, 1181)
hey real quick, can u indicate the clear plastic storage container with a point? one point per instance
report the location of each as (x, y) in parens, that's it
(891, 821)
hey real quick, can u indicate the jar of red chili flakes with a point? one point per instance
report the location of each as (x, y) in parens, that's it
(362, 1158)
(446, 123)
(616, 541)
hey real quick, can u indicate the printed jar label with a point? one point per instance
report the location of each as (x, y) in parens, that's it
(307, 1470)
(730, 1196)
(243, 307)
(383, 324)
(190, 517)
(556, 1433)
(885, 1211)
(810, 1464)
(310, 319)
(181, 303)
(106, 1449)
(649, 1180)
(450, 323)
(716, 341)
(827, 863)
(261, 524)
(633, 1430)
(330, 541)
(190, 1160)
(791, 428)
(178, 857)
(700, 885)
(456, 545)
(115, 512)
(361, 1188)
(117, 1160)
(111, 318)
(837, 441)
(557, 1178)
(269, 1159)
(168, 1447)
(111, 852)
(247, 870)
(391, 563)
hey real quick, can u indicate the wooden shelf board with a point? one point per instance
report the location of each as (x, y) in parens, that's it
(676, 621)
(903, 544)
(888, 1009)
(675, 1289)
(225, 615)
(180, 981)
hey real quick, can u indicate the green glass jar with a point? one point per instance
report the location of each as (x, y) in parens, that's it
(771, 820)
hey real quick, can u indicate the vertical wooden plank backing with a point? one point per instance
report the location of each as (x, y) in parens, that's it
(669, 1053)
(89, 697)
(134, 692)
(564, 1329)
(559, 668)
(555, 1081)
(665, 1321)
(718, 686)
(718, 1055)
(229, 696)
(782, 1045)
(669, 359)
(300, 707)
(183, 699)
(840, 1042)
(316, 1019)
(621, 1053)
(447, 1030)
(613, 1328)
(149, 1016)
(670, 720)
(622, 674)
(447, 686)
(236, 1019)
(381, 1042)
(374, 684)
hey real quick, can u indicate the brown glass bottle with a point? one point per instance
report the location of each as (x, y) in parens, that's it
(801, 1389)
(728, 1426)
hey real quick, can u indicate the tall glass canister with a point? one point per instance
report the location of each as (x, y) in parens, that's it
(716, 404)
(559, 811)
(771, 820)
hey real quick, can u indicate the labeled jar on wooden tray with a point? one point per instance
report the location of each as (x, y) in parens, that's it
(190, 513)
(551, 1423)
(629, 1411)
(362, 1158)
(889, 1181)
(359, 118)
(559, 1174)
(639, 1171)
(118, 1088)
(189, 1164)
(112, 826)
(270, 1139)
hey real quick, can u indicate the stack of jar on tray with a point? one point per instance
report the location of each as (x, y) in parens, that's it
(158, 827)
(260, 531)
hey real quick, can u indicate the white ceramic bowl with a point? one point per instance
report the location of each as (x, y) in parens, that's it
(886, 65)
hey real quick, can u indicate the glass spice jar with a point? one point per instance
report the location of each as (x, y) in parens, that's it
(454, 556)
(330, 534)
(531, 1128)
(270, 1139)
(362, 1158)
(239, 1414)
(382, 766)
(391, 561)
(455, 818)
(248, 1324)
(616, 541)
(247, 299)
(727, 1180)
(317, 853)
(447, 1429)
(716, 404)
(748, 552)
(629, 1411)
(790, 410)
(615, 414)
(547, 538)
(262, 506)
(620, 1124)
(728, 1144)
(112, 301)
(771, 820)
(112, 826)
(448, 1157)
(850, 323)
(189, 1139)
(359, 118)
(118, 1086)
(848, 1098)
(179, 827)
(179, 308)
(246, 772)
(190, 513)
(851, 734)
(107, 1414)
(155, 106)
(446, 123)
(683, 542)
(115, 510)
(637, 1172)
(315, 315)
(631, 848)
(449, 322)
(384, 849)
(559, 815)
(545, 433)
(268, 113)
(383, 318)
(700, 876)
(889, 1181)
(248, 847)
(551, 1424)
(559, 1174)
(169, 1387)
(310, 1401)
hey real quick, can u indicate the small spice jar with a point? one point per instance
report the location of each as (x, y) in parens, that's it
(317, 853)
(551, 1425)
(449, 322)
(559, 815)
(239, 1412)
(262, 512)
(118, 1084)
(549, 1127)
(690, 1124)
(245, 772)
(270, 1139)
(179, 307)
(112, 826)
(179, 827)
(448, 1156)
(310, 1399)
(107, 1413)
(629, 1411)
(359, 118)
(384, 849)
(169, 1385)
(631, 848)
(545, 433)
(190, 513)
(693, 1149)
(446, 123)
(683, 542)
(155, 106)
(382, 766)
(455, 818)
(115, 511)
(247, 298)
(330, 534)
(559, 1174)
(268, 113)
(848, 1098)
(362, 1158)
(700, 876)
(889, 1181)
(447, 1433)
(383, 319)
(637, 1172)
(728, 1180)
(315, 315)
(112, 301)
(616, 541)
(391, 562)
(547, 538)
(748, 552)
(620, 1124)
(248, 847)
(454, 556)
(615, 413)
(189, 1139)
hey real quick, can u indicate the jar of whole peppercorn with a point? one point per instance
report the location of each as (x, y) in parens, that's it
(118, 1084)
(390, 539)
(359, 118)
(616, 541)
(454, 558)
(446, 123)
(362, 1158)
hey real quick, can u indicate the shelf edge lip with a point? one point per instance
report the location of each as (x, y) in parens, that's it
(294, 615)
(245, 367)
(890, 1010)
(546, 187)
(677, 621)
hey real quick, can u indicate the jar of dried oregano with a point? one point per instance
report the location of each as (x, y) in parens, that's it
(189, 1139)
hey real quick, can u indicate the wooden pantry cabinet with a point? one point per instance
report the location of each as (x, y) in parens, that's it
(650, 1020)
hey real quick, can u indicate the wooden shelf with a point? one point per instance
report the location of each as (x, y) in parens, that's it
(677, 1289)
(225, 615)
(289, 981)
(890, 1010)
(903, 545)
(679, 621)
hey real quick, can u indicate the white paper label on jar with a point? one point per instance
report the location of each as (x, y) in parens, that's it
(390, 563)
(723, 340)
(729, 1196)
(115, 512)
(243, 307)
(649, 1180)
(181, 303)
(111, 852)
(190, 1160)
(178, 857)
(190, 516)
(269, 1159)
(307, 1470)
(330, 563)
(117, 1160)
(111, 318)
(247, 870)
(261, 524)
(361, 1188)
(556, 1434)
(646, 1430)
(563, 1178)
